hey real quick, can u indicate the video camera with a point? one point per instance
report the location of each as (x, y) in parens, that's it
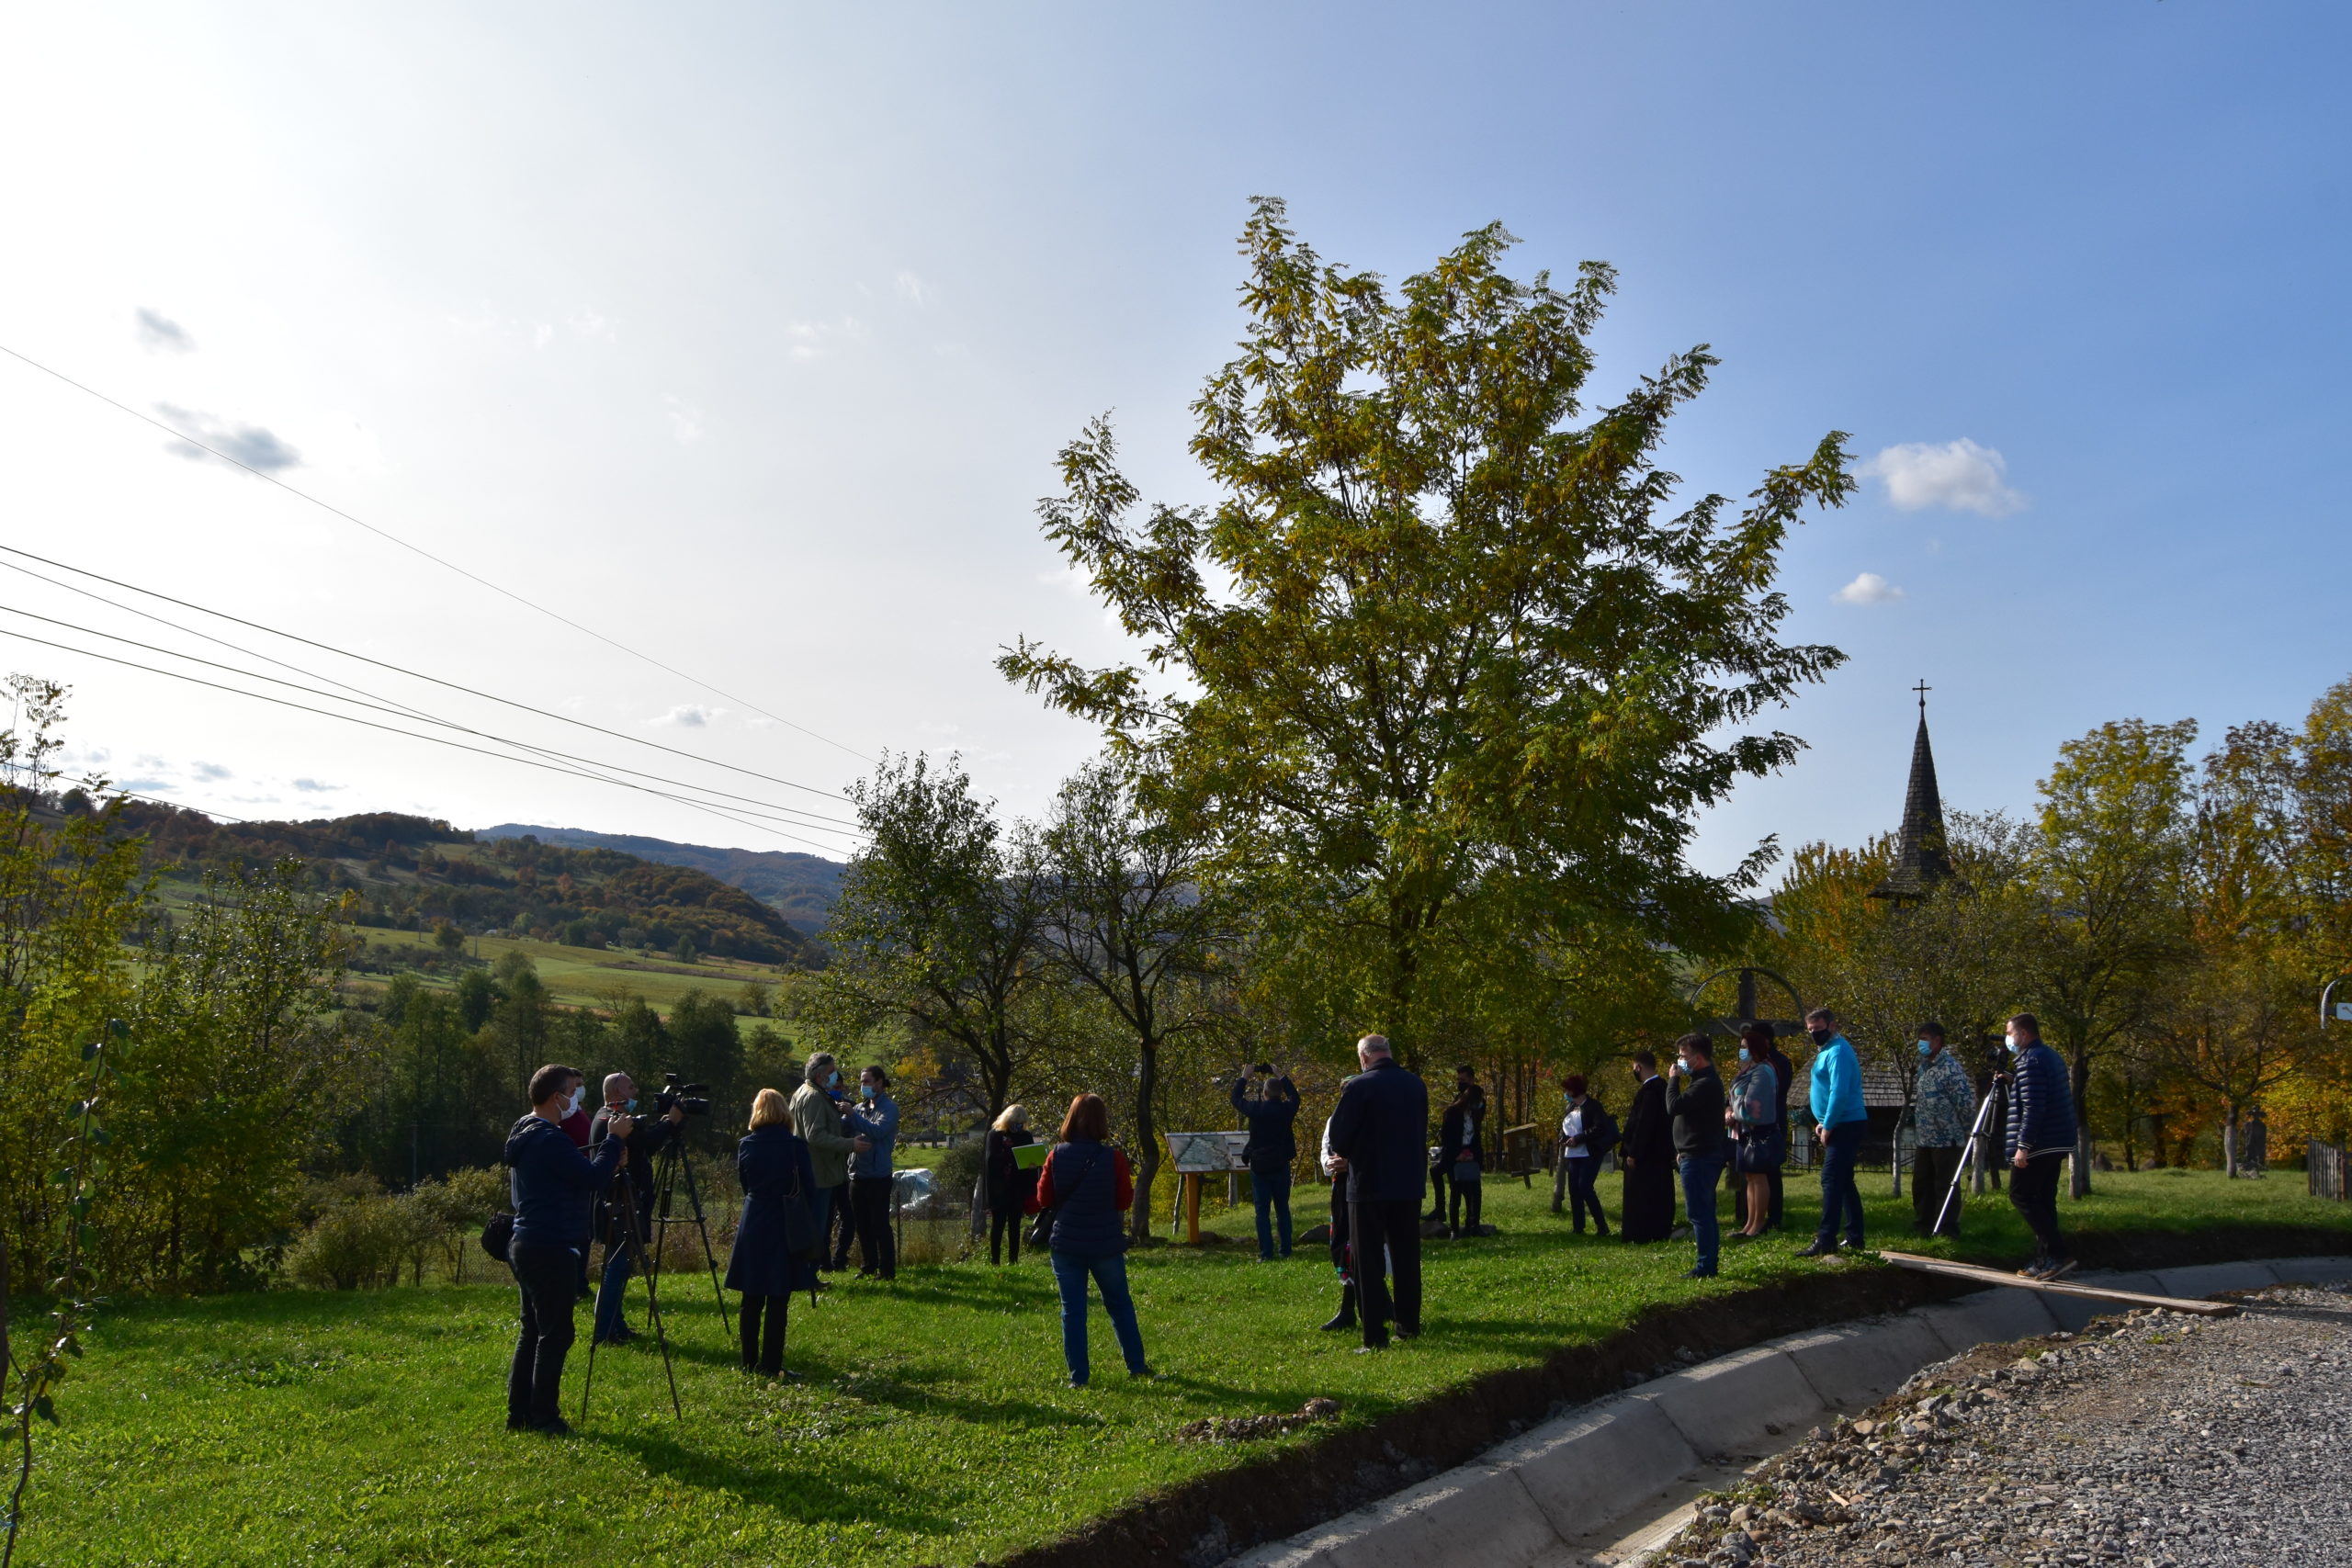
(694, 1099)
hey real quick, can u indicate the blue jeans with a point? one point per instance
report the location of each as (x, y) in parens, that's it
(1110, 1272)
(1840, 1199)
(1272, 1192)
(1698, 1178)
(612, 1296)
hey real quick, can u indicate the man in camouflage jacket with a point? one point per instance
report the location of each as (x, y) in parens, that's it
(1944, 1103)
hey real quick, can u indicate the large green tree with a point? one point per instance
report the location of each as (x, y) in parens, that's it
(1442, 658)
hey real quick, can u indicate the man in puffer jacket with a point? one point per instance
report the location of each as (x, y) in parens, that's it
(552, 1186)
(2041, 1134)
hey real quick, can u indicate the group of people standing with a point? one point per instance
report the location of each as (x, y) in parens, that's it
(1687, 1125)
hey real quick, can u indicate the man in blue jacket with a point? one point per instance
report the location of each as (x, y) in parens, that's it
(1377, 1128)
(1273, 1144)
(2041, 1134)
(1840, 1122)
(876, 1121)
(552, 1187)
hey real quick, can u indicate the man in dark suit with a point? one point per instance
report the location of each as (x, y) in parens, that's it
(1377, 1128)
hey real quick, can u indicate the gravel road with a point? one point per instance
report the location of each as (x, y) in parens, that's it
(2152, 1440)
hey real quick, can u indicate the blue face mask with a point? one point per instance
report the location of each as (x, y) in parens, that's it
(1926, 1047)
(1742, 1052)
(631, 1106)
(866, 1092)
(832, 1081)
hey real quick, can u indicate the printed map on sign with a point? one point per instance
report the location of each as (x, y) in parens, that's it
(1201, 1152)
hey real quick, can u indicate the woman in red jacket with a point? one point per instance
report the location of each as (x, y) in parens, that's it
(1087, 1184)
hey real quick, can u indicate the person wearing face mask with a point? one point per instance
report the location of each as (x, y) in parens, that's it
(1944, 1107)
(818, 1121)
(875, 1121)
(575, 1125)
(2041, 1136)
(633, 1181)
(1840, 1122)
(1694, 1097)
(1645, 1153)
(1754, 1121)
(552, 1187)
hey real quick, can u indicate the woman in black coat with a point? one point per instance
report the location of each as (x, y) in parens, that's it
(1009, 1184)
(771, 1163)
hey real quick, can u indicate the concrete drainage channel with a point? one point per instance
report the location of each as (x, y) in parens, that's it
(1609, 1481)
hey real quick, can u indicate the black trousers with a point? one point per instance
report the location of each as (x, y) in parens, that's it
(1340, 1260)
(548, 1278)
(1471, 1195)
(1004, 1225)
(841, 1229)
(2033, 1193)
(1582, 1175)
(1387, 1236)
(764, 1346)
(869, 1207)
(1438, 1185)
(1931, 1174)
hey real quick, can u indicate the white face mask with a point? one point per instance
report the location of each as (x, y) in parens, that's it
(2011, 1042)
(579, 1098)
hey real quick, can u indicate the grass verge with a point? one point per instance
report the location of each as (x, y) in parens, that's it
(934, 1425)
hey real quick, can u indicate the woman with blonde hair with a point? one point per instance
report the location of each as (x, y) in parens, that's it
(1009, 1184)
(776, 1241)
(1086, 1182)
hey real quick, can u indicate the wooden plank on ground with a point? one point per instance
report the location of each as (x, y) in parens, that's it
(1984, 1276)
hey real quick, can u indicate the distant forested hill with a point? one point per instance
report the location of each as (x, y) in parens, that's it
(803, 887)
(413, 872)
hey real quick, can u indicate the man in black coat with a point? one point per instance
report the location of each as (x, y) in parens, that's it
(550, 1184)
(1694, 1097)
(1646, 1153)
(1377, 1127)
(1273, 1144)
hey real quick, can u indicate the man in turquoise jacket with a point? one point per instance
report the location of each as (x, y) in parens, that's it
(1840, 1122)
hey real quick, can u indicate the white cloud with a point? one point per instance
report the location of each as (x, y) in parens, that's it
(1869, 588)
(251, 444)
(313, 786)
(911, 289)
(157, 331)
(812, 340)
(210, 772)
(685, 421)
(1959, 475)
(689, 716)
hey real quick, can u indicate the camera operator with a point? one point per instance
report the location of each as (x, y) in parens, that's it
(1272, 1146)
(552, 1187)
(817, 1119)
(876, 1121)
(635, 1174)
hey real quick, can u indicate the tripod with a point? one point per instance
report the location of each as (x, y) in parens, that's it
(1971, 1150)
(673, 1159)
(652, 1306)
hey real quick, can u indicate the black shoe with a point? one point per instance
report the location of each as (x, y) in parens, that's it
(2060, 1269)
(1346, 1316)
(1408, 1333)
(553, 1427)
(518, 1423)
(1820, 1248)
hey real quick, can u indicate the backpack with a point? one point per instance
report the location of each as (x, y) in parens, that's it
(1601, 1136)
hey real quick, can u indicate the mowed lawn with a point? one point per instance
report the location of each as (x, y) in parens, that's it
(934, 1425)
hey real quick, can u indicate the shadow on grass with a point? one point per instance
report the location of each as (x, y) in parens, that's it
(803, 1485)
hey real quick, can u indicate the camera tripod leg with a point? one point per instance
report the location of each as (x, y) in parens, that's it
(1968, 1151)
(693, 1202)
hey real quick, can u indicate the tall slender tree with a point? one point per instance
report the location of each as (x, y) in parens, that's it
(1438, 643)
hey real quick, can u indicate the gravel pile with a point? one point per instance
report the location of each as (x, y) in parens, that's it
(2152, 1440)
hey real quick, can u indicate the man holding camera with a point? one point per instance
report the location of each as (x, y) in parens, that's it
(628, 1206)
(552, 1187)
(1270, 1114)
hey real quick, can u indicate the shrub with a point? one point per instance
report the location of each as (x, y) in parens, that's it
(358, 1242)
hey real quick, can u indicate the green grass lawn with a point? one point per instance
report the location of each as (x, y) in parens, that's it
(934, 1425)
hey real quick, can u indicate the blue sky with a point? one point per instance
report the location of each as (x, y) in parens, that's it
(746, 335)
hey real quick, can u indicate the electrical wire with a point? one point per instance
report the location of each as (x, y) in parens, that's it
(434, 740)
(800, 818)
(419, 549)
(347, 653)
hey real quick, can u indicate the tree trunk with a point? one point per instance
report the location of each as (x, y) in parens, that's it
(1147, 1137)
(2080, 1184)
(2229, 1143)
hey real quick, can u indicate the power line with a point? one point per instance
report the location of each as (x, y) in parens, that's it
(797, 816)
(435, 739)
(361, 658)
(419, 549)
